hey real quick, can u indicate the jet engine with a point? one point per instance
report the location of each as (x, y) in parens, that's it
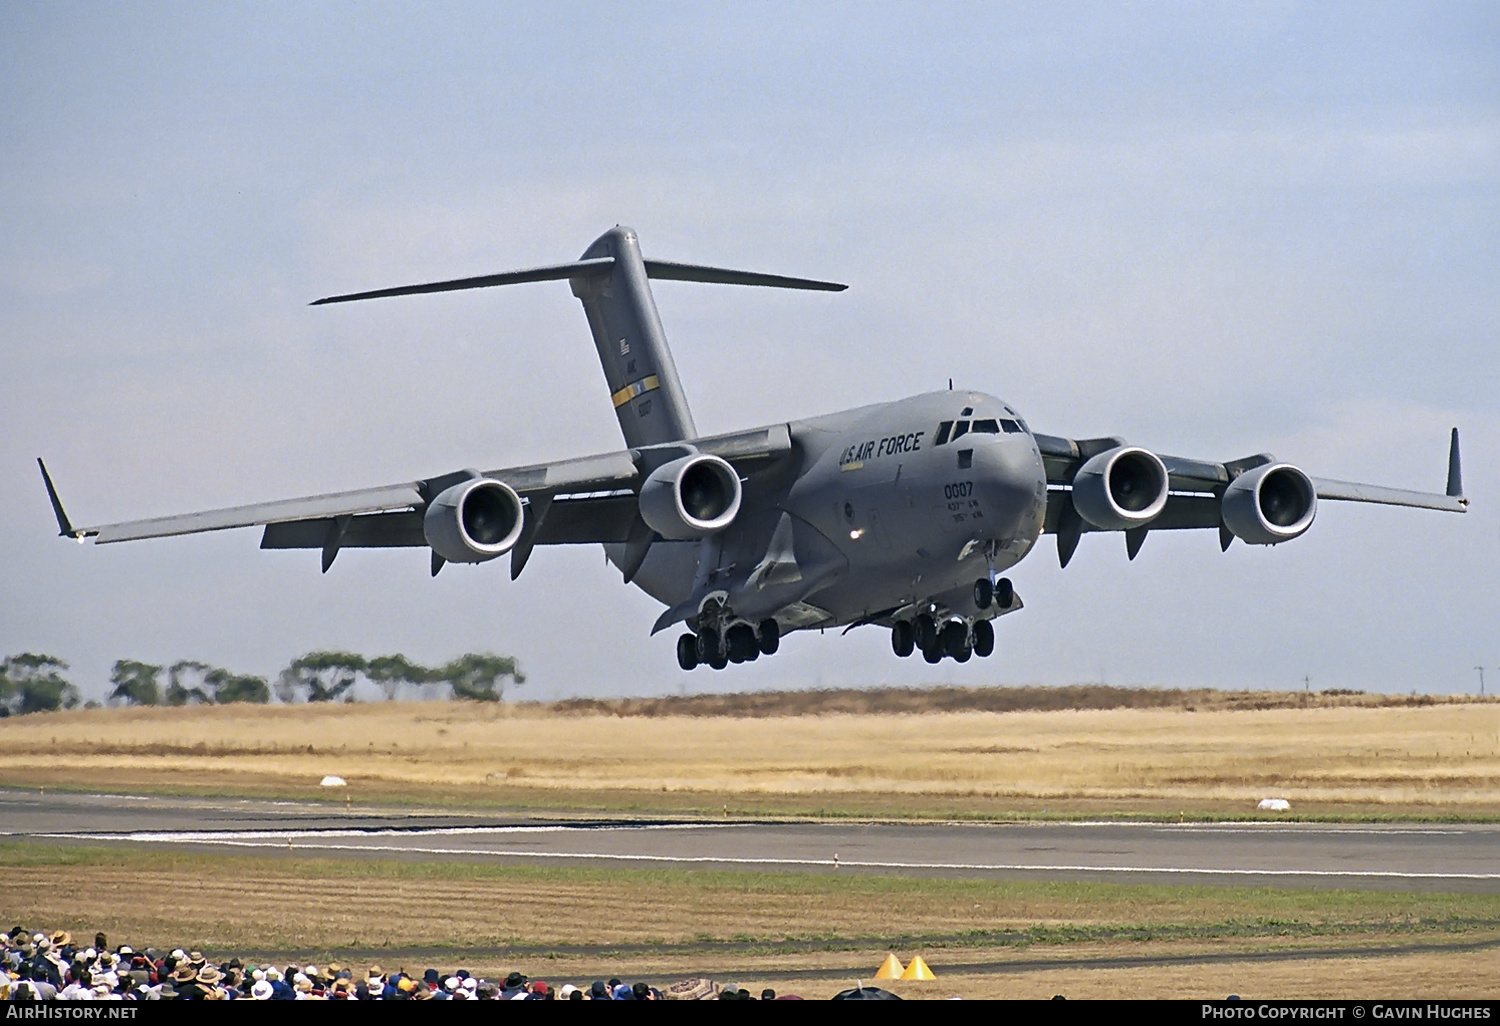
(690, 497)
(1121, 488)
(474, 520)
(1269, 504)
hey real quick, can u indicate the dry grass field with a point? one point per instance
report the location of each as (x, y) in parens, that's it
(939, 753)
(946, 752)
(799, 933)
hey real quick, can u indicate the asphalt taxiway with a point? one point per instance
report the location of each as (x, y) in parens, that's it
(1406, 857)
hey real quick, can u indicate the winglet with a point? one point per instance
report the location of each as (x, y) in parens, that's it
(64, 526)
(1455, 472)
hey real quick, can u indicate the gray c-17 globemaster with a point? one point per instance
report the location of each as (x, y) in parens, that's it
(903, 514)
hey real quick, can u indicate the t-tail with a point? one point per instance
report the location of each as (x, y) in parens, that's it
(612, 280)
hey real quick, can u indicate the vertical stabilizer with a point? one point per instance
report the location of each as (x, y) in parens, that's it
(633, 351)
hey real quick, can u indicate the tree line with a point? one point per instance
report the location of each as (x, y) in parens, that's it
(30, 682)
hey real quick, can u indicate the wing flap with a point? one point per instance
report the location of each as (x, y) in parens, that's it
(370, 531)
(588, 519)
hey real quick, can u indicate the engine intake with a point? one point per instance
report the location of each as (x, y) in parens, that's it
(474, 521)
(690, 497)
(1269, 504)
(1121, 488)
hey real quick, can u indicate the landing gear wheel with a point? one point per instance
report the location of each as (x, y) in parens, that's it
(770, 637)
(955, 640)
(984, 638)
(903, 638)
(933, 654)
(687, 652)
(740, 640)
(711, 649)
(1005, 592)
(926, 632)
(984, 593)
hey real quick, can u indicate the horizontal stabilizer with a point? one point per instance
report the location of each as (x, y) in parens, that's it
(557, 272)
(668, 271)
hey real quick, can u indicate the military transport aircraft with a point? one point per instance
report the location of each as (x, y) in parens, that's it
(903, 514)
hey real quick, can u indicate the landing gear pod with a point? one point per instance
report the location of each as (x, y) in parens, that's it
(474, 521)
(1269, 504)
(1120, 489)
(690, 498)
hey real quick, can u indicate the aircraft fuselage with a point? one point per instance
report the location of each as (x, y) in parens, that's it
(889, 506)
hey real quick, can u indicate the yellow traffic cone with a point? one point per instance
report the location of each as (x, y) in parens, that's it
(890, 969)
(918, 970)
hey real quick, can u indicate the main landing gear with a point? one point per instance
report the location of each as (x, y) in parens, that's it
(955, 639)
(739, 643)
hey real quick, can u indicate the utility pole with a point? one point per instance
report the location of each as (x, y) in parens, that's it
(1307, 683)
(1481, 680)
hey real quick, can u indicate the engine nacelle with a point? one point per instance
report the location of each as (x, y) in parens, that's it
(474, 520)
(1269, 504)
(690, 497)
(1120, 489)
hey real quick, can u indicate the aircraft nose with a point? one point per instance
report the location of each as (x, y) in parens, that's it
(1006, 472)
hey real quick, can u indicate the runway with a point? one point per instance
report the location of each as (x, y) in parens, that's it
(1415, 857)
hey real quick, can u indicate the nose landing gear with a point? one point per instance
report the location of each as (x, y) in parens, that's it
(988, 592)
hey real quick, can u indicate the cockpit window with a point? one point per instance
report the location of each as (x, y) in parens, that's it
(986, 427)
(960, 429)
(1012, 427)
(942, 433)
(967, 410)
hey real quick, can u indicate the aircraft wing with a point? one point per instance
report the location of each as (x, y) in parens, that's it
(1196, 488)
(574, 501)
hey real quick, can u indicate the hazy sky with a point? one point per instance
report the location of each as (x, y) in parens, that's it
(1213, 229)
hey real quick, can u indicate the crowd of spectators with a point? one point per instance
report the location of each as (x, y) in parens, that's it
(53, 967)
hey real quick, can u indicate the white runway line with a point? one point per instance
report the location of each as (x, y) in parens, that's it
(822, 863)
(226, 836)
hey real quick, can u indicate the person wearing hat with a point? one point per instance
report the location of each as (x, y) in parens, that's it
(209, 979)
(261, 991)
(185, 979)
(515, 986)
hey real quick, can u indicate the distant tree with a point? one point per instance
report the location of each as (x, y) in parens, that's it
(392, 671)
(188, 683)
(135, 683)
(235, 687)
(34, 683)
(477, 676)
(320, 676)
